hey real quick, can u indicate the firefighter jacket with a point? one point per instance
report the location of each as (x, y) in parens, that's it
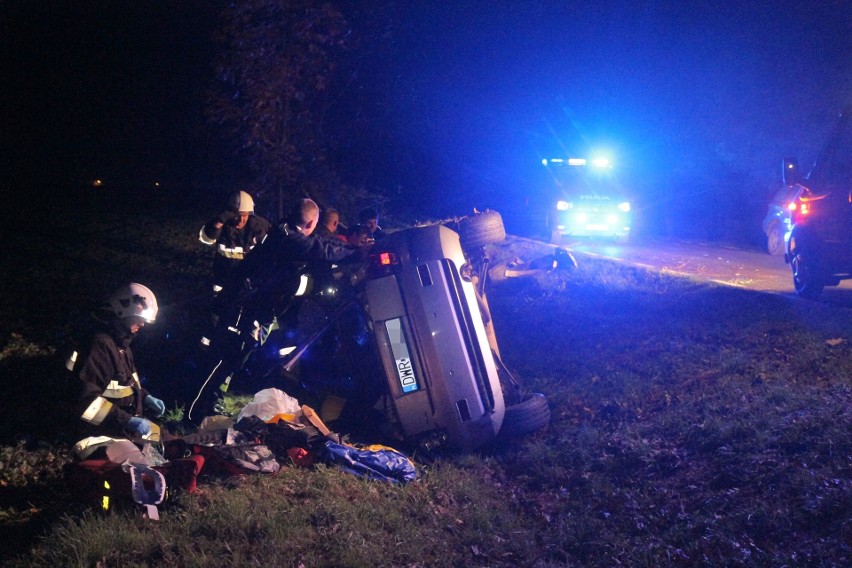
(232, 244)
(272, 273)
(287, 246)
(111, 391)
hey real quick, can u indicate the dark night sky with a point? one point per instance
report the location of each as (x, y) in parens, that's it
(100, 88)
(668, 85)
(476, 91)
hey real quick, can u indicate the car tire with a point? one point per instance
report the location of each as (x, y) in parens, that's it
(481, 229)
(775, 240)
(806, 278)
(527, 416)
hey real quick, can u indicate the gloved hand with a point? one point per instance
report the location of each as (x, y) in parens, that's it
(155, 404)
(226, 216)
(139, 425)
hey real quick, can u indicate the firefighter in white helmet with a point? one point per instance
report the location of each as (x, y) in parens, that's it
(113, 400)
(234, 232)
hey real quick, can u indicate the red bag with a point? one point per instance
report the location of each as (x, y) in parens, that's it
(104, 484)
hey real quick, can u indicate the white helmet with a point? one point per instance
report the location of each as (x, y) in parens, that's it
(134, 300)
(241, 202)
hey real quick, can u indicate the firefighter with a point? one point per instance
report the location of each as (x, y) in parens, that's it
(296, 240)
(114, 401)
(234, 232)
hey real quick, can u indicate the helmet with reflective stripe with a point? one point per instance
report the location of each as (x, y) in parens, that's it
(241, 202)
(134, 300)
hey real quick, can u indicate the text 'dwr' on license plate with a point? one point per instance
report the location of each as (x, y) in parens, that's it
(402, 359)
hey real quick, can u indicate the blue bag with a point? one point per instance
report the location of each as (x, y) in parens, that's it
(373, 462)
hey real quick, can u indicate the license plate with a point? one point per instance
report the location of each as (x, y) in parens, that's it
(402, 359)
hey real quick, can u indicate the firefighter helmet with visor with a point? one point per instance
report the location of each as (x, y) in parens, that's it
(134, 300)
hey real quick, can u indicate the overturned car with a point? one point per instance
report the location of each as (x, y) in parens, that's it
(408, 336)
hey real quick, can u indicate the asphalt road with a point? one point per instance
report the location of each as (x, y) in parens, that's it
(730, 266)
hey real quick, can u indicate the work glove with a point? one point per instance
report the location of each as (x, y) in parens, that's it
(226, 216)
(155, 404)
(139, 425)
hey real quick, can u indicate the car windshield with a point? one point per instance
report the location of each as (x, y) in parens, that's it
(585, 180)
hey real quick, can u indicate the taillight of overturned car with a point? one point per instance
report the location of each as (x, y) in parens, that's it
(382, 263)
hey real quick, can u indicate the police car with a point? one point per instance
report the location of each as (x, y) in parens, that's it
(588, 200)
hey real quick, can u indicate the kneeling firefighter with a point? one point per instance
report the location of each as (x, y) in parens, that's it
(113, 401)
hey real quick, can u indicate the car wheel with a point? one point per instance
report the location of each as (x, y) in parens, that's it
(775, 240)
(481, 229)
(806, 278)
(529, 415)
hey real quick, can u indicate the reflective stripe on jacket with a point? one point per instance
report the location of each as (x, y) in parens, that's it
(231, 240)
(232, 244)
(111, 391)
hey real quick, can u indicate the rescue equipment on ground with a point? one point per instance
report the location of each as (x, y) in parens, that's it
(126, 472)
(373, 462)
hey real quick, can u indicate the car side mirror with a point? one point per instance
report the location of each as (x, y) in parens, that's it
(790, 171)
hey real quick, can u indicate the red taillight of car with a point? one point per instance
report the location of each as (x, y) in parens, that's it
(798, 209)
(383, 262)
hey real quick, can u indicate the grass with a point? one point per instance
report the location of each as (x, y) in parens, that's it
(692, 425)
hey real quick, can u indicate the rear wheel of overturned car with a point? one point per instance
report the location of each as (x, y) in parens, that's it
(481, 229)
(775, 240)
(526, 417)
(806, 277)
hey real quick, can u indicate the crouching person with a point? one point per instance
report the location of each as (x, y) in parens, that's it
(114, 402)
(120, 460)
